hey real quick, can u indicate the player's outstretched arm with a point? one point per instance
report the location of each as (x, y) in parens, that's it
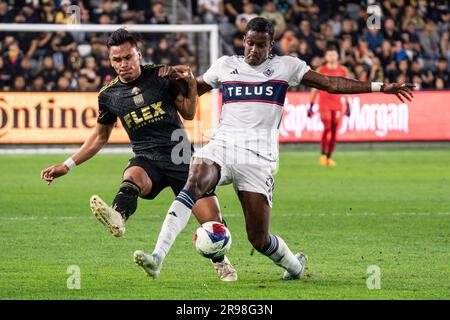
(345, 85)
(89, 148)
(186, 99)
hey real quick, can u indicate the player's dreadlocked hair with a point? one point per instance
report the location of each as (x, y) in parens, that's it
(259, 24)
(121, 36)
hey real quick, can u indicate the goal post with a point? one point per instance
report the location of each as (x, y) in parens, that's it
(213, 47)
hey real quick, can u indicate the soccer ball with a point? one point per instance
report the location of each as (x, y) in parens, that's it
(212, 239)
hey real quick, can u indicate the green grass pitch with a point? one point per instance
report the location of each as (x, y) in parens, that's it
(389, 209)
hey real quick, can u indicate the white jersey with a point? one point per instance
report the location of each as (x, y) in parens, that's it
(253, 97)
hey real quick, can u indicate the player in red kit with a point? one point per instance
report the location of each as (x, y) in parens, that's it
(331, 107)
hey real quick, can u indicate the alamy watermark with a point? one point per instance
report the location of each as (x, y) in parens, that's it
(74, 280)
(374, 280)
(374, 17)
(73, 15)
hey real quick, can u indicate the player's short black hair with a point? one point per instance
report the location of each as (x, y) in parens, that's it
(259, 24)
(121, 36)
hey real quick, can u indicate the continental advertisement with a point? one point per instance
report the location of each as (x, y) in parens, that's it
(64, 118)
(55, 118)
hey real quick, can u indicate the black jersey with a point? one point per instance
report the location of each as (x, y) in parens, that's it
(146, 108)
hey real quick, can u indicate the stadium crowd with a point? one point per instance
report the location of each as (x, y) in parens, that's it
(411, 44)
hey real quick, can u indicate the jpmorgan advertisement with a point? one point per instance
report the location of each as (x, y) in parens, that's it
(30, 117)
(373, 117)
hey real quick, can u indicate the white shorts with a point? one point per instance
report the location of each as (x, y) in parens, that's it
(244, 168)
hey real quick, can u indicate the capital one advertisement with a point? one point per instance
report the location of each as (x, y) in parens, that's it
(59, 117)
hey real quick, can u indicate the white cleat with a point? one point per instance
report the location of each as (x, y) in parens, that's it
(302, 258)
(225, 270)
(151, 263)
(109, 217)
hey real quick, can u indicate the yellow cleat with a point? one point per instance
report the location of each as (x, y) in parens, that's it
(323, 160)
(331, 163)
(109, 217)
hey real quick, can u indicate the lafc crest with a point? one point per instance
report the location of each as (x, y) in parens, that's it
(138, 97)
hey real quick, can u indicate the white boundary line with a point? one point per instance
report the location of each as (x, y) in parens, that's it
(64, 150)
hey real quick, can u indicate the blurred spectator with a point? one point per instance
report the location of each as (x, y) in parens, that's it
(247, 15)
(440, 84)
(63, 43)
(289, 42)
(83, 84)
(283, 6)
(63, 84)
(159, 15)
(374, 39)
(48, 12)
(6, 74)
(75, 61)
(270, 12)
(62, 12)
(38, 84)
(163, 54)
(444, 22)
(429, 40)
(238, 37)
(442, 72)
(182, 50)
(348, 31)
(106, 12)
(211, 11)
(390, 31)
(304, 52)
(13, 55)
(19, 84)
(89, 70)
(147, 56)
(106, 71)
(335, 24)
(306, 35)
(48, 72)
(232, 9)
(445, 45)
(411, 16)
(25, 70)
(5, 15)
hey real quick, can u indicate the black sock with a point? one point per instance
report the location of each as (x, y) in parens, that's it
(328, 155)
(218, 259)
(125, 201)
(324, 153)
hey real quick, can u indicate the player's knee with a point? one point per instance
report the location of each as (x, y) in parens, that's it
(143, 182)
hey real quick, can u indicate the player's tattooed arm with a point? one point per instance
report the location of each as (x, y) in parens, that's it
(345, 85)
(186, 100)
(202, 86)
(185, 97)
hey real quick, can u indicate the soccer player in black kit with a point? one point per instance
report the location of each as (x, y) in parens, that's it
(147, 100)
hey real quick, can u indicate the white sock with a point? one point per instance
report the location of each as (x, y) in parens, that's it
(176, 220)
(279, 253)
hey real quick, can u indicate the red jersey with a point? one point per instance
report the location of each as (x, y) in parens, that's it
(329, 101)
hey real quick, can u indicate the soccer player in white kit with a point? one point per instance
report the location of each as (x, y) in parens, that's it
(244, 147)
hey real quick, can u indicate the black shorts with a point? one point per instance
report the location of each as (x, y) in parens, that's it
(163, 174)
